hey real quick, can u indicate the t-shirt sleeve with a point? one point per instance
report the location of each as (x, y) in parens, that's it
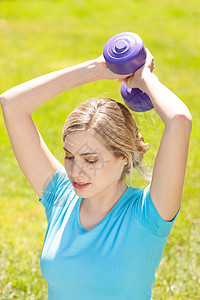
(147, 213)
(57, 192)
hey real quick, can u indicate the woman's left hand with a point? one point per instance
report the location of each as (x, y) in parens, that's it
(135, 80)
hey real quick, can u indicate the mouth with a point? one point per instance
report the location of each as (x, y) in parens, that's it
(80, 185)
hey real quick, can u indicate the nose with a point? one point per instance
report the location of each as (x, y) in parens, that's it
(76, 169)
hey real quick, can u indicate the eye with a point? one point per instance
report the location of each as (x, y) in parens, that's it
(91, 162)
(88, 161)
(68, 157)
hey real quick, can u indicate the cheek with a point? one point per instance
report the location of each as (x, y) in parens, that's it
(67, 164)
(99, 170)
(106, 171)
(95, 170)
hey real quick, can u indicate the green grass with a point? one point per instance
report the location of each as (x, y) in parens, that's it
(37, 37)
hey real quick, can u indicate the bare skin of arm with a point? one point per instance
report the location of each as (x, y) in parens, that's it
(169, 171)
(38, 163)
(34, 158)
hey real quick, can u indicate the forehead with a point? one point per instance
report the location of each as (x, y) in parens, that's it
(84, 141)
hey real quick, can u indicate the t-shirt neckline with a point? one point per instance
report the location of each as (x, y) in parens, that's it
(114, 207)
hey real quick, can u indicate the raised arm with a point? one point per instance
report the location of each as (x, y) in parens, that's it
(170, 165)
(36, 161)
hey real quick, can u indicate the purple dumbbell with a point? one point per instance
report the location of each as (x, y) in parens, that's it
(125, 53)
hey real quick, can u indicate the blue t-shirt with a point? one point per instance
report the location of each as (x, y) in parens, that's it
(116, 260)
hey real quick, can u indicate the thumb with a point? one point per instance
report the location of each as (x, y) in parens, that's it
(122, 80)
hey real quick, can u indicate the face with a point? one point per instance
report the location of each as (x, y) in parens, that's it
(89, 161)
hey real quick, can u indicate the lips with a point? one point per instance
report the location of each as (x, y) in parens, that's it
(80, 185)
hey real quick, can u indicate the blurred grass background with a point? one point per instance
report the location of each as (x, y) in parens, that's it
(37, 37)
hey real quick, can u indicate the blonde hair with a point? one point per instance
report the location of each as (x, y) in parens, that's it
(113, 126)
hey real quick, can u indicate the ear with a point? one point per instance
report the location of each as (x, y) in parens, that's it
(124, 160)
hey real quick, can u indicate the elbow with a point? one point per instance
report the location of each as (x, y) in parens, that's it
(5, 101)
(2, 100)
(184, 118)
(183, 122)
(6, 104)
(188, 117)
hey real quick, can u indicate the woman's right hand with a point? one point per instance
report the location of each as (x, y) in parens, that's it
(106, 73)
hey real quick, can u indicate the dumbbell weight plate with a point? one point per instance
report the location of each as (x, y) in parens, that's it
(124, 53)
(135, 99)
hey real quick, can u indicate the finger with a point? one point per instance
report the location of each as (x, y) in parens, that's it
(130, 82)
(152, 66)
(122, 80)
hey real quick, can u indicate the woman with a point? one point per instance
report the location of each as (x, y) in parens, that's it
(104, 239)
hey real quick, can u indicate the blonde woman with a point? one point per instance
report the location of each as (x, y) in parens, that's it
(104, 239)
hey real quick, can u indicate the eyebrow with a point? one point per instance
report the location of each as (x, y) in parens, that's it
(88, 153)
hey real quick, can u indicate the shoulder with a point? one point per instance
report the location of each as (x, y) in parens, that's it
(59, 193)
(59, 183)
(144, 210)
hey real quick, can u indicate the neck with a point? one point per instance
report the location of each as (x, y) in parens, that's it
(104, 202)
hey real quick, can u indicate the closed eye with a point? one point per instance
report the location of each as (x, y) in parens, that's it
(88, 161)
(91, 162)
